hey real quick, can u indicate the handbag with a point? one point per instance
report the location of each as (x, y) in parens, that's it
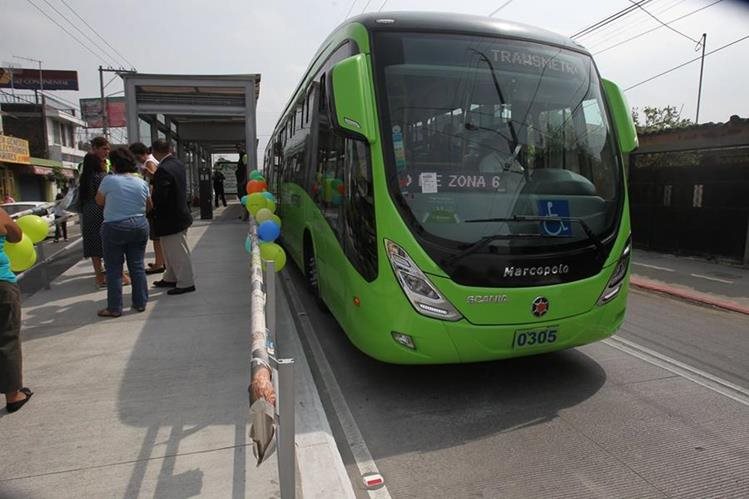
(72, 200)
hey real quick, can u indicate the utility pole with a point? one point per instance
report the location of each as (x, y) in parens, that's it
(103, 103)
(702, 67)
(41, 79)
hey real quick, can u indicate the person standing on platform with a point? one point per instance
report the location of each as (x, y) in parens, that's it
(92, 215)
(218, 187)
(11, 374)
(172, 217)
(241, 175)
(147, 166)
(125, 197)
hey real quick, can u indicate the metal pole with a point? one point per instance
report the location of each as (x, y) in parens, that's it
(286, 429)
(43, 267)
(104, 117)
(702, 67)
(270, 302)
(41, 79)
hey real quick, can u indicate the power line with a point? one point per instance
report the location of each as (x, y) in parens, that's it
(656, 28)
(349, 10)
(382, 6)
(365, 6)
(508, 2)
(104, 52)
(686, 63)
(613, 17)
(634, 24)
(97, 34)
(68, 32)
(664, 24)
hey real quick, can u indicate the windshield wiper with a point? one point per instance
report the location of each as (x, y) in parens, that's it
(488, 239)
(534, 218)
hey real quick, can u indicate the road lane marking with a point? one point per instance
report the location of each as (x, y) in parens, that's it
(358, 446)
(656, 267)
(724, 281)
(709, 381)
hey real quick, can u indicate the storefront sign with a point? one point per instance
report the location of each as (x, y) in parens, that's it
(28, 79)
(14, 150)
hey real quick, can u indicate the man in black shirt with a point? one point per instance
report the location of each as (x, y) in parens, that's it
(218, 187)
(241, 174)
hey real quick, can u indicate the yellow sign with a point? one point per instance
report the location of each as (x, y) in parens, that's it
(13, 150)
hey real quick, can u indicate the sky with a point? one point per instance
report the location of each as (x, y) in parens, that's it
(278, 39)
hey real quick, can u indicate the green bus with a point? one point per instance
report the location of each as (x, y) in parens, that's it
(453, 188)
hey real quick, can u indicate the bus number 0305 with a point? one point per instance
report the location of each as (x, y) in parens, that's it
(536, 337)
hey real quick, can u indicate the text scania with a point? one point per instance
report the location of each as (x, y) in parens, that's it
(540, 271)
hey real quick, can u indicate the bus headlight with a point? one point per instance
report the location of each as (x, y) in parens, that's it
(620, 271)
(416, 285)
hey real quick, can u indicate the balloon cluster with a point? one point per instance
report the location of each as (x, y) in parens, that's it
(262, 206)
(22, 254)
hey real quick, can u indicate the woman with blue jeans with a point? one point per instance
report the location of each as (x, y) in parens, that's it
(124, 233)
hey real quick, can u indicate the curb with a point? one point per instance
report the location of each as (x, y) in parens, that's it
(693, 296)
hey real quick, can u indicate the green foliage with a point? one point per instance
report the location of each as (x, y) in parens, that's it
(659, 118)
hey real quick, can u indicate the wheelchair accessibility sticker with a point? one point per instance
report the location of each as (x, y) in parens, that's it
(555, 208)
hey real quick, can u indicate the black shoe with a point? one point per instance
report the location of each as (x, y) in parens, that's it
(165, 284)
(14, 406)
(179, 291)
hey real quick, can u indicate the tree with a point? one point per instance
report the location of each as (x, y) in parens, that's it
(659, 118)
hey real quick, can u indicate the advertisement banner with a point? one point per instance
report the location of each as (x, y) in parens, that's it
(28, 79)
(92, 114)
(14, 150)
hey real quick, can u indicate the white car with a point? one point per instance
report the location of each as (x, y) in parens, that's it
(49, 217)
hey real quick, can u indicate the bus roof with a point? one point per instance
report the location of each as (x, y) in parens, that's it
(443, 22)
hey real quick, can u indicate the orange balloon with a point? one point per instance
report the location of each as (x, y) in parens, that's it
(256, 186)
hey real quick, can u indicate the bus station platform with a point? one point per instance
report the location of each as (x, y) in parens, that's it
(155, 404)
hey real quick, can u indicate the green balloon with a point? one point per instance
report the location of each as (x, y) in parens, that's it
(274, 253)
(22, 254)
(34, 226)
(270, 204)
(276, 219)
(256, 175)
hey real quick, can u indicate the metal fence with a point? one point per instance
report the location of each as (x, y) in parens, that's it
(272, 378)
(692, 202)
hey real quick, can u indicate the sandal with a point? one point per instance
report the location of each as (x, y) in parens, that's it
(14, 406)
(105, 312)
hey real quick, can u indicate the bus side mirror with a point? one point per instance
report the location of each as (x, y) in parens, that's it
(622, 116)
(351, 102)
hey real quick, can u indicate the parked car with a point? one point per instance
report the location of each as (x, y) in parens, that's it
(48, 216)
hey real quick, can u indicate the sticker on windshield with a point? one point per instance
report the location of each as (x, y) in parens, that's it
(428, 182)
(398, 149)
(555, 208)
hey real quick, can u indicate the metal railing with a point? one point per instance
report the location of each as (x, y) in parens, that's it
(271, 378)
(42, 260)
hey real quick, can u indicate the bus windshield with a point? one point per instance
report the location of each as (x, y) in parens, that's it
(498, 140)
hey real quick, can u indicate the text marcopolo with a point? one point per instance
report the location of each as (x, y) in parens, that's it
(540, 271)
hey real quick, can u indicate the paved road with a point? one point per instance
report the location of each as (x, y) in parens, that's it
(588, 422)
(729, 282)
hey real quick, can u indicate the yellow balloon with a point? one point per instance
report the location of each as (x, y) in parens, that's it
(255, 202)
(274, 253)
(34, 226)
(276, 219)
(263, 214)
(271, 205)
(22, 254)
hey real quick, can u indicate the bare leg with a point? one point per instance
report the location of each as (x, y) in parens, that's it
(99, 269)
(158, 254)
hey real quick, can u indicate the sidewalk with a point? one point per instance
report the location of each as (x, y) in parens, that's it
(152, 404)
(692, 279)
